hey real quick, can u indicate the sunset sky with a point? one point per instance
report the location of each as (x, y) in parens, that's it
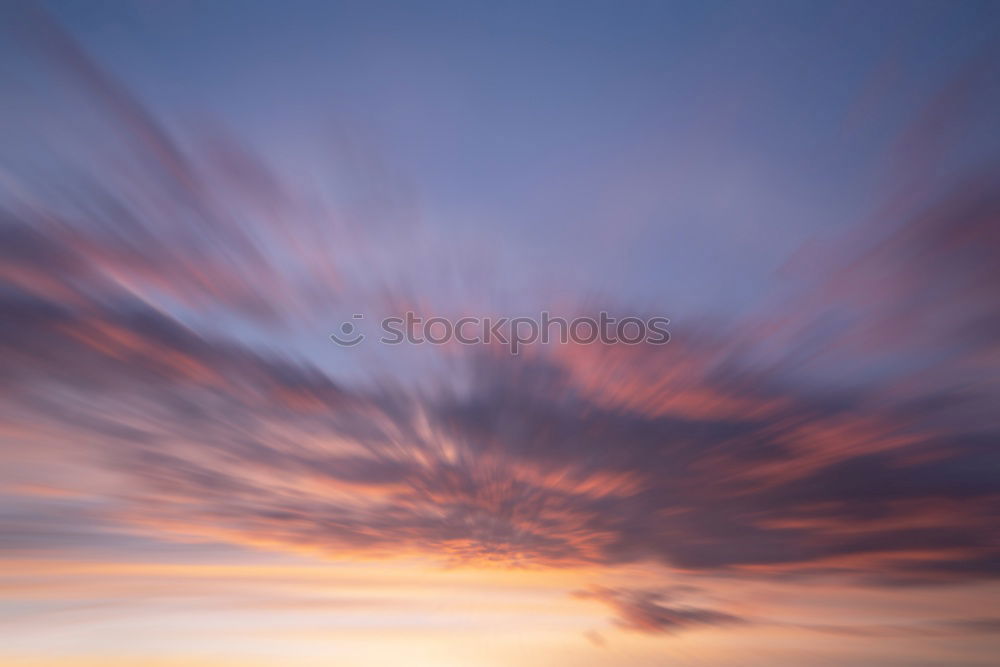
(194, 195)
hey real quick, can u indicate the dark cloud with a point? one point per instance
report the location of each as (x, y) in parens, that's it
(648, 612)
(527, 465)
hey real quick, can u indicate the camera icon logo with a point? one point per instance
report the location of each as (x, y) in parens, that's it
(349, 336)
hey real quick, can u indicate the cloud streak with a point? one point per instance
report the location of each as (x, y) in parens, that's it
(647, 612)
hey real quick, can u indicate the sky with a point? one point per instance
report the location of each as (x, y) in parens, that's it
(195, 195)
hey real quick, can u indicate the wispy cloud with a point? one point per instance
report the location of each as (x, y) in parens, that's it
(653, 612)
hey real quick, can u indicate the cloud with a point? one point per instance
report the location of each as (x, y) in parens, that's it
(645, 611)
(531, 463)
(959, 627)
(847, 430)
